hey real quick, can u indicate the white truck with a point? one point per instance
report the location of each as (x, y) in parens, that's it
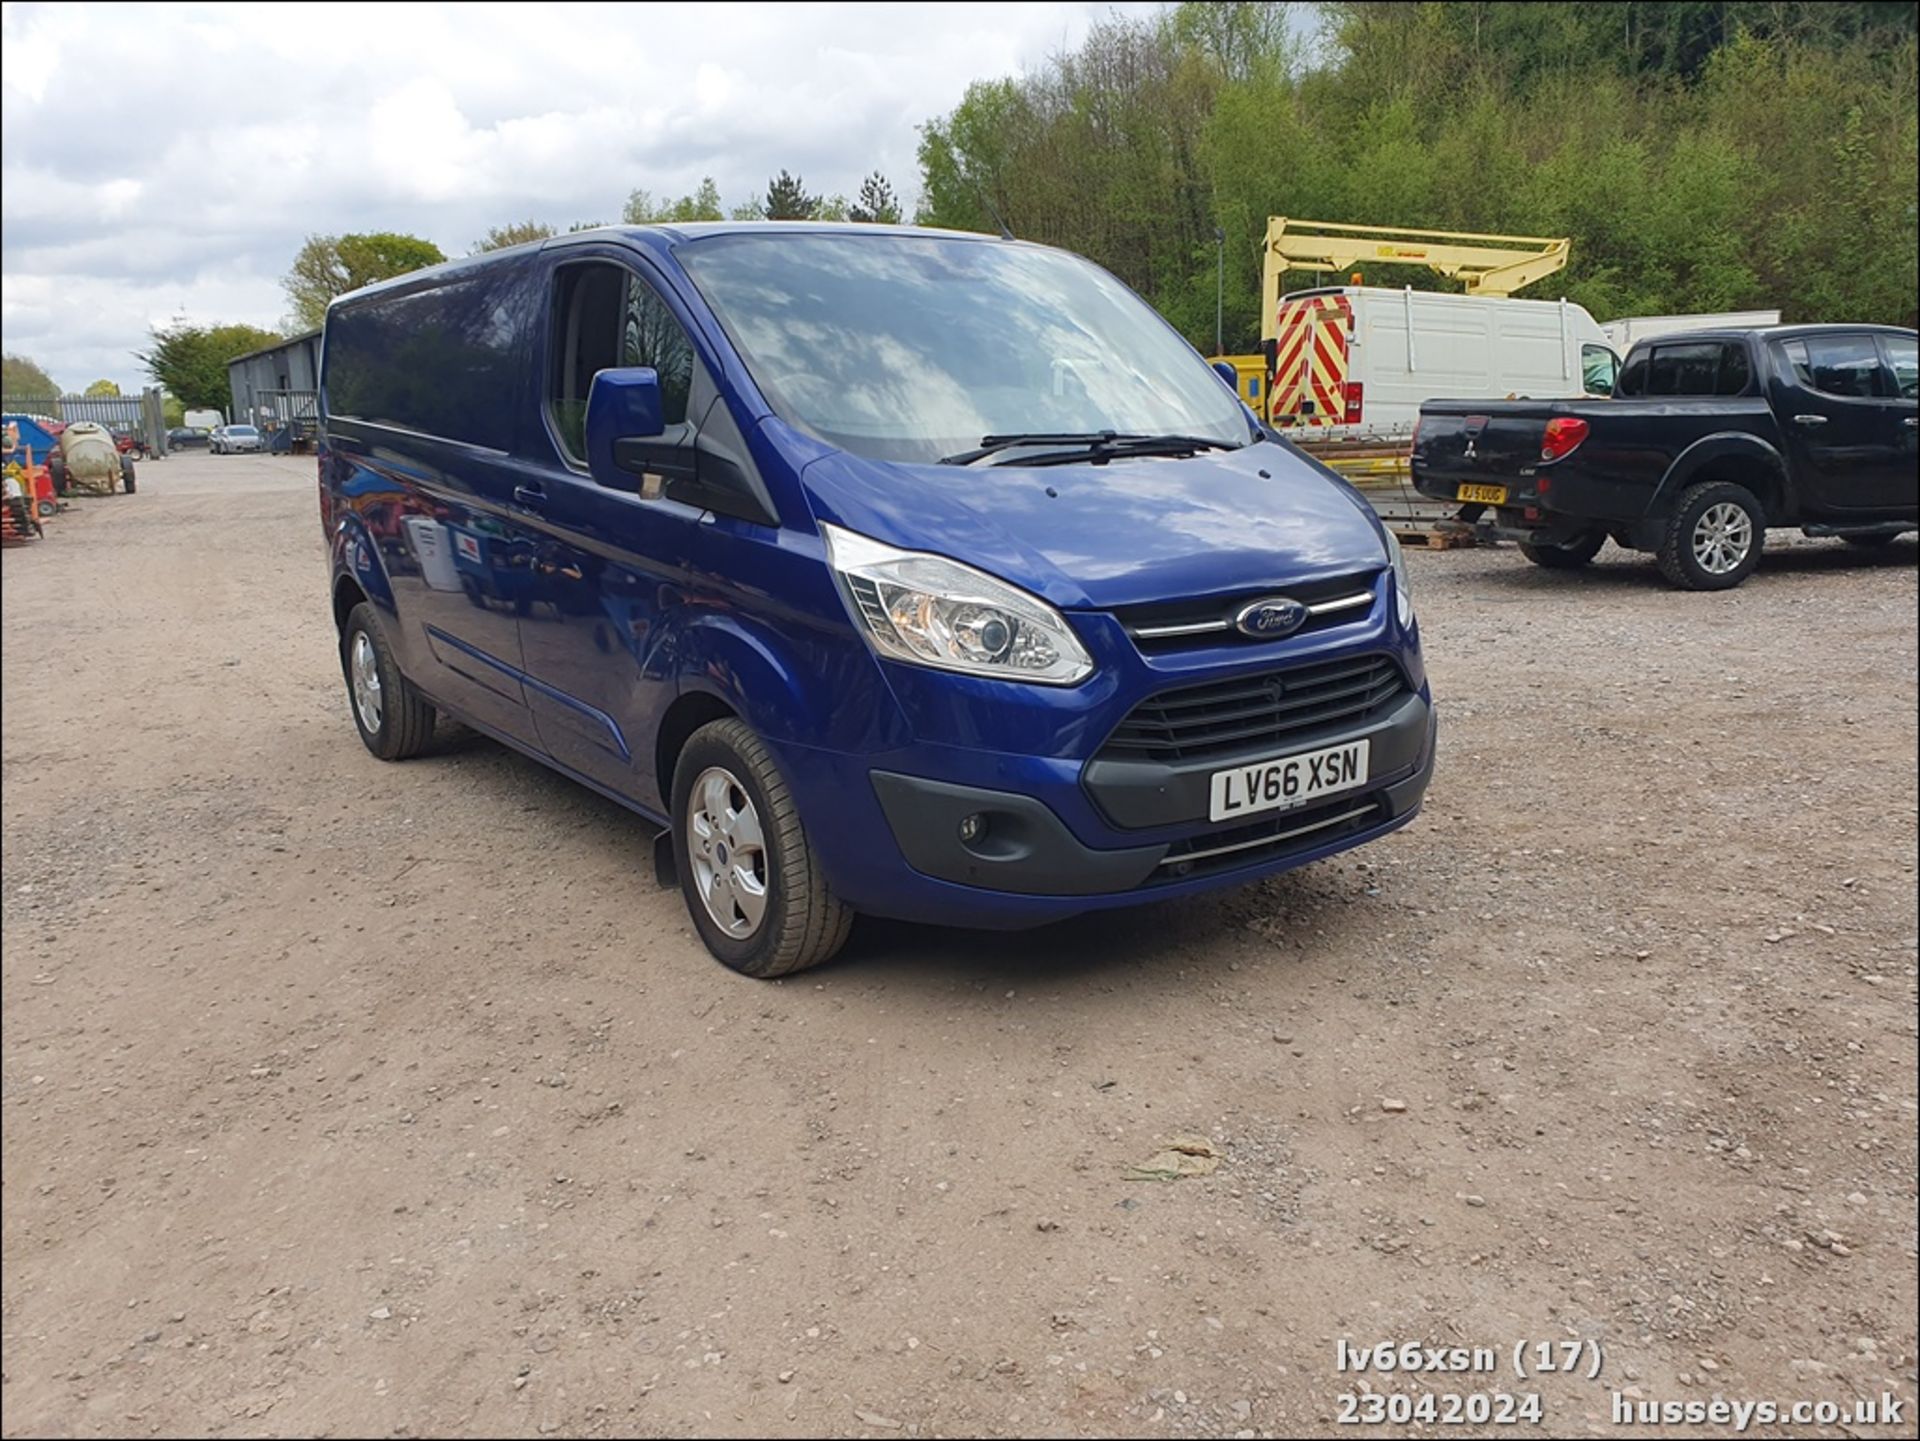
(1624, 332)
(1355, 362)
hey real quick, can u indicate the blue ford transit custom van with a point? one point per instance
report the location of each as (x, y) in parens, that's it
(890, 570)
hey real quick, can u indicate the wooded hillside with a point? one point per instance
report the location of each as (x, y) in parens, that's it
(1702, 156)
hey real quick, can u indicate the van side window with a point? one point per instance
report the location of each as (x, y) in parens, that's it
(1846, 365)
(606, 316)
(1597, 367)
(1683, 369)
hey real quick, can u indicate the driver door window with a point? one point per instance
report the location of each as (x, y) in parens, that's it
(606, 316)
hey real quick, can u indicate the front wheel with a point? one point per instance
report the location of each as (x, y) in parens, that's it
(394, 720)
(1565, 557)
(1713, 540)
(126, 474)
(752, 881)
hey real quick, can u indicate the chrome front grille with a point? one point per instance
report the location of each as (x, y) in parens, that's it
(1178, 625)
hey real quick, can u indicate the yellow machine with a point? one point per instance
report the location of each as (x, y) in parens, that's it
(1303, 344)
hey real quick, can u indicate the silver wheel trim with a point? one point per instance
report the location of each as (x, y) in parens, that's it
(1722, 538)
(727, 851)
(364, 668)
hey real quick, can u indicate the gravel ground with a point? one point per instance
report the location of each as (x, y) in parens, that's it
(355, 1099)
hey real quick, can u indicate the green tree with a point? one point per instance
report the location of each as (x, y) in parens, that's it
(102, 387)
(521, 232)
(172, 412)
(25, 380)
(876, 204)
(834, 208)
(703, 204)
(1701, 154)
(190, 361)
(787, 199)
(328, 266)
(641, 210)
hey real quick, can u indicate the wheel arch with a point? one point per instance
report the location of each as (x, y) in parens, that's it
(689, 711)
(1736, 458)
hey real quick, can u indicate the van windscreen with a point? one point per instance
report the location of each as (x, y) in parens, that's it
(911, 347)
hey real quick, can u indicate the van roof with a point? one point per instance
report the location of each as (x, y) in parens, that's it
(662, 237)
(1400, 292)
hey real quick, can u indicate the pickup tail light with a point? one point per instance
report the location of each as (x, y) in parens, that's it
(1563, 437)
(1355, 395)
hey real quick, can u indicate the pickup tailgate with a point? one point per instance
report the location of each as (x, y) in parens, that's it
(1491, 444)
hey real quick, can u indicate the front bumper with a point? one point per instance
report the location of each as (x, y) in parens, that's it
(1049, 851)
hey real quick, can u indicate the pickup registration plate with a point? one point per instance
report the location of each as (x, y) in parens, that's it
(1290, 781)
(1484, 494)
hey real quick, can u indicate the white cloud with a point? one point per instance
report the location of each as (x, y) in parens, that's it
(235, 130)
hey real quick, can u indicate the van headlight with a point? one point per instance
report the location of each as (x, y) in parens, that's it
(928, 610)
(1402, 581)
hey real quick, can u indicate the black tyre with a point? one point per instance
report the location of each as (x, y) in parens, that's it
(126, 474)
(1714, 538)
(752, 882)
(394, 720)
(1565, 557)
(57, 472)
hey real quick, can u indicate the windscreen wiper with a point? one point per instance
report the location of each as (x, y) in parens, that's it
(1085, 445)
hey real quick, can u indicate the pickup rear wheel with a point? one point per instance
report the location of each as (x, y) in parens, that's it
(393, 718)
(1565, 557)
(1714, 538)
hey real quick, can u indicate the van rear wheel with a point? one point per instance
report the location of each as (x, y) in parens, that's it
(751, 879)
(394, 720)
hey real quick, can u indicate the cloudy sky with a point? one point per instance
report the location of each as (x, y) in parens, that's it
(167, 160)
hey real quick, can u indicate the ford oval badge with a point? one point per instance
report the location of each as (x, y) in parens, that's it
(1271, 617)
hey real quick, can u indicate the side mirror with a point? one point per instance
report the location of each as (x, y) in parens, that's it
(621, 405)
(1225, 370)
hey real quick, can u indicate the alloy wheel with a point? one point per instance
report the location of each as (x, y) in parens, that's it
(727, 850)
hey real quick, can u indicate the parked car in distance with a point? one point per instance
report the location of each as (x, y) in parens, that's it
(188, 437)
(235, 439)
(1711, 439)
(890, 570)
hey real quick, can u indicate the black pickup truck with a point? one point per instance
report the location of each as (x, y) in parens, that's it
(1710, 437)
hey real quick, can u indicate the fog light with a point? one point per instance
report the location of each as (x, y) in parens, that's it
(973, 827)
